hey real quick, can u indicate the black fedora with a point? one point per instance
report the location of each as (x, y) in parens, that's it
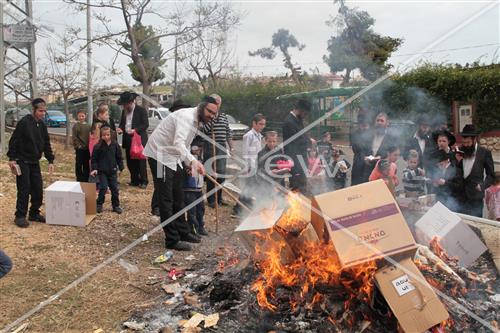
(126, 97)
(179, 104)
(451, 138)
(469, 130)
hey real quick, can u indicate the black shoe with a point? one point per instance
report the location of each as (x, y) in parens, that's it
(21, 222)
(190, 238)
(155, 211)
(202, 232)
(99, 208)
(37, 218)
(142, 186)
(179, 246)
(117, 210)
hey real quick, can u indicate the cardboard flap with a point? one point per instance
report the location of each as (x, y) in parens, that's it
(90, 198)
(259, 220)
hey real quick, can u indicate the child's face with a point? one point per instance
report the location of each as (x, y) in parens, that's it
(385, 171)
(442, 142)
(271, 142)
(312, 153)
(104, 116)
(412, 163)
(106, 135)
(443, 164)
(335, 152)
(81, 117)
(394, 156)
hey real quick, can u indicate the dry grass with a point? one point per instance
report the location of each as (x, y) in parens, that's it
(48, 258)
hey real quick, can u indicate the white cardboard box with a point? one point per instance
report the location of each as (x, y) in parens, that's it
(70, 203)
(457, 239)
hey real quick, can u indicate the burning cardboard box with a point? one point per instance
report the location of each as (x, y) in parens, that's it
(364, 223)
(410, 297)
(287, 229)
(456, 238)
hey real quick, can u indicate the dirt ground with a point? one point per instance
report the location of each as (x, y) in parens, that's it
(48, 258)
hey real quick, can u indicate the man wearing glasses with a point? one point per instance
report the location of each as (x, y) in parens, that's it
(168, 151)
(29, 140)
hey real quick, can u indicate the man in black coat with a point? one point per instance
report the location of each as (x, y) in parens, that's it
(134, 119)
(296, 149)
(478, 172)
(379, 139)
(29, 140)
(422, 143)
(360, 142)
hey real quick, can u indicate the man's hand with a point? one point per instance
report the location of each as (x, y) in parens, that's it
(93, 173)
(313, 142)
(198, 167)
(51, 168)
(12, 164)
(478, 188)
(131, 131)
(119, 130)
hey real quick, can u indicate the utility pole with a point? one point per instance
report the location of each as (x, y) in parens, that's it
(175, 70)
(2, 95)
(90, 106)
(31, 54)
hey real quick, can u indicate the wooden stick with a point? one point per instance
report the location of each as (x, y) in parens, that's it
(216, 194)
(231, 195)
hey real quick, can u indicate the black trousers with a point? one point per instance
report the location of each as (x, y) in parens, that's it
(82, 167)
(220, 169)
(171, 200)
(138, 170)
(157, 180)
(473, 207)
(29, 183)
(111, 181)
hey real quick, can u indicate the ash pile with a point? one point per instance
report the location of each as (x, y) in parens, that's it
(347, 261)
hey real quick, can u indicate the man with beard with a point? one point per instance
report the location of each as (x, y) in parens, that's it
(296, 149)
(380, 140)
(361, 148)
(168, 149)
(478, 172)
(422, 143)
(134, 120)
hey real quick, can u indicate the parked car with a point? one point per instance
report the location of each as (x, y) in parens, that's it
(155, 116)
(13, 115)
(55, 118)
(237, 128)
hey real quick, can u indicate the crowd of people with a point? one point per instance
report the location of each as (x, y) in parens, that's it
(188, 152)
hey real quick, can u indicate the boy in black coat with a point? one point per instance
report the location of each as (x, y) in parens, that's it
(447, 181)
(106, 162)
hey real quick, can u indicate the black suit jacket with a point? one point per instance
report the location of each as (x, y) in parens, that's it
(361, 147)
(482, 173)
(140, 123)
(388, 140)
(425, 157)
(298, 147)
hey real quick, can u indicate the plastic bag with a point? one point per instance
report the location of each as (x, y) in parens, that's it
(136, 148)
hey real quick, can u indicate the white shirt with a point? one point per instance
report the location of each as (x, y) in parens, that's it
(252, 144)
(421, 142)
(128, 120)
(171, 140)
(469, 162)
(377, 142)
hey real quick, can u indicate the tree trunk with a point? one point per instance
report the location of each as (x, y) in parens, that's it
(146, 90)
(68, 124)
(17, 100)
(347, 76)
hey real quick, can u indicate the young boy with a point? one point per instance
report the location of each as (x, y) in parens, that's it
(337, 170)
(492, 198)
(80, 135)
(271, 166)
(193, 190)
(386, 170)
(106, 162)
(447, 181)
(413, 177)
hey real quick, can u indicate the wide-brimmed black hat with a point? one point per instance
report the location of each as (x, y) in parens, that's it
(179, 104)
(126, 97)
(451, 138)
(440, 155)
(469, 130)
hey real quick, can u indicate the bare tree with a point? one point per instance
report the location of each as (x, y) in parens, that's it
(180, 23)
(64, 74)
(19, 82)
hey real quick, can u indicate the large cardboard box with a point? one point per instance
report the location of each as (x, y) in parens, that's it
(456, 237)
(70, 203)
(410, 297)
(364, 223)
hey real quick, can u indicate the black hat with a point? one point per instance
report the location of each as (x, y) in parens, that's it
(126, 97)
(303, 104)
(363, 118)
(451, 138)
(469, 130)
(423, 119)
(178, 104)
(209, 99)
(440, 155)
